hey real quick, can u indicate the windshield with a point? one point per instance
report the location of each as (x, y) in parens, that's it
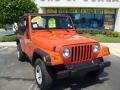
(51, 22)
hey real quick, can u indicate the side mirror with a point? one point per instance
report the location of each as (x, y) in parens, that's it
(21, 27)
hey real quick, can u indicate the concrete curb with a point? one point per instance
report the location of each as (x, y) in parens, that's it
(2, 29)
(8, 44)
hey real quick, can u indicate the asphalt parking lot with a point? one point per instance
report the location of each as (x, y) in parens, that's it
(15, 75)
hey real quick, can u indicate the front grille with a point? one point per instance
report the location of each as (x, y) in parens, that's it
(81, 53)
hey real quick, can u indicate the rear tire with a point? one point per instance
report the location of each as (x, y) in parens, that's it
(42, 76)
(21, 55)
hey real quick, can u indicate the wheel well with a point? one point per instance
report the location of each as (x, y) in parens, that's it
(35, 56)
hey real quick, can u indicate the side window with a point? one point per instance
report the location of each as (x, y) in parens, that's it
(25, 23)
(23, 26)
(20, 24)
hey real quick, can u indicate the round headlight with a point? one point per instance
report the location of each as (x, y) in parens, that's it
(96, 48)
(66, 52)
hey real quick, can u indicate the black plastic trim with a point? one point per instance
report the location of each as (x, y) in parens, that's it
(81, 68)
(42, 54)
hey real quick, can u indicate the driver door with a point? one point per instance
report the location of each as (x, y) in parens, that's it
(26, 38)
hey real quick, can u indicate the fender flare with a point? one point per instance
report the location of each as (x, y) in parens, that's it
(41, 54)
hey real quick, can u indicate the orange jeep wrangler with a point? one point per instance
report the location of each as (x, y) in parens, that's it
(56, 50)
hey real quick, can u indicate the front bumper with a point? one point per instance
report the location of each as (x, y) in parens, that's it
(81, 69)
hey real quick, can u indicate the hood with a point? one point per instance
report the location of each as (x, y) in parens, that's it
(59, 40)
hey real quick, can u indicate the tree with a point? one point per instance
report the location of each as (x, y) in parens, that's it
(10, 10)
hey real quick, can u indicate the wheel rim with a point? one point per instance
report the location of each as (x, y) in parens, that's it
(38, 74)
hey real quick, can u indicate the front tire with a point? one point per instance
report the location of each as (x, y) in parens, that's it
(42, 76)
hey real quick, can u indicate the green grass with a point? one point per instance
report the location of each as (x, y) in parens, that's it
(119, 33)
(8, 38)
(102, 38)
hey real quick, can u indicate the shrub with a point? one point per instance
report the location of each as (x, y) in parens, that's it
(108, 33)
(85, 31)
(115, 34)
(1, 26)
(90, 31)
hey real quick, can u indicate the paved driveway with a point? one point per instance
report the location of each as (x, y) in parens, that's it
(15, 75)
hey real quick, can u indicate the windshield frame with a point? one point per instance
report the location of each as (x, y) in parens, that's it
(57, 16)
